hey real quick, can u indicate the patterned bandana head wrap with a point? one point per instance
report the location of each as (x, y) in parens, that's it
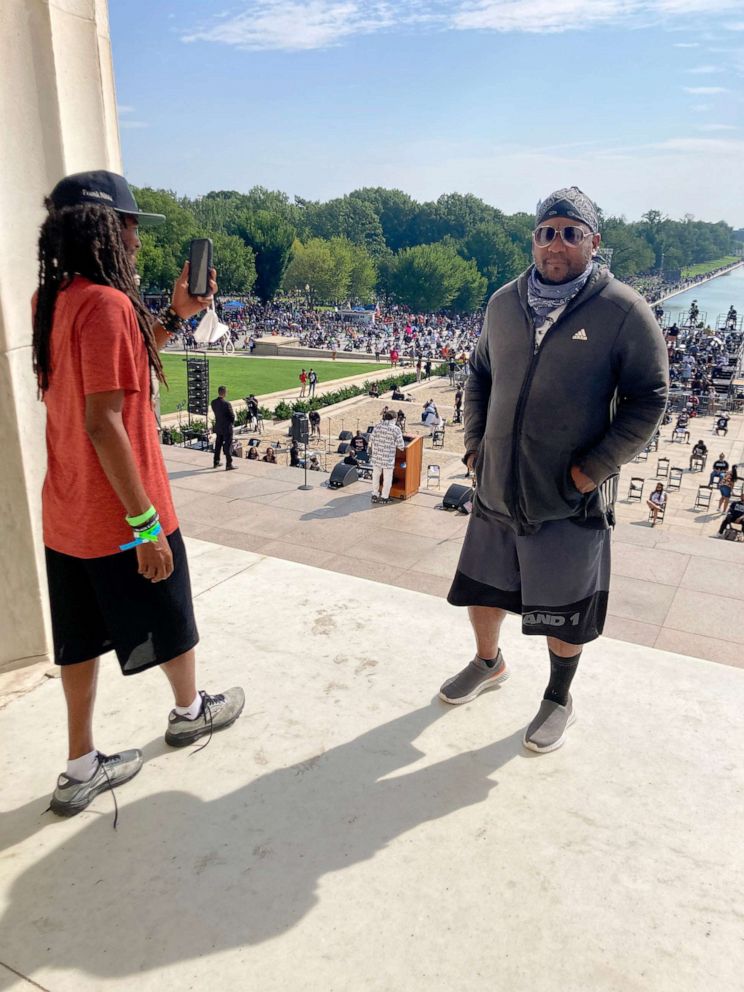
(544, 297)
(570, 202)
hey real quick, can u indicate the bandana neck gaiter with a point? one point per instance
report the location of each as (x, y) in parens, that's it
(544, 297)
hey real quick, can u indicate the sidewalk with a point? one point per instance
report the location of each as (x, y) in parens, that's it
(352, 833)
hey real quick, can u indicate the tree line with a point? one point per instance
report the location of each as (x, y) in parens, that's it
(381, 243)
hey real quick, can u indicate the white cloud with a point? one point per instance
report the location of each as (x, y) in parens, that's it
(131, 125)
(717, 127)
(124, 109)
(703, 146)
(704, 70)
(297, 26)
(686, 44)
(704, 90)
(701, 108)
(300, 25)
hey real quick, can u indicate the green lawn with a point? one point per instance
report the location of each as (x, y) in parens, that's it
(705, 267)
(251, 375)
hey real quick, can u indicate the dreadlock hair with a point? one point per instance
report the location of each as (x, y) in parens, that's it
(85, 240)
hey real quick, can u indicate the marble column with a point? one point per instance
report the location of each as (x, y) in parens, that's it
(58, 108)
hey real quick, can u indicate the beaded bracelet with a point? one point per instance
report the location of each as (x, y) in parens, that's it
(169, 320)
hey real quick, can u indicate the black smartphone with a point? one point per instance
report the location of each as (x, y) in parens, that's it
(200, 262)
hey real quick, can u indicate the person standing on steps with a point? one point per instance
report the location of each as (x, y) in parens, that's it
(116, 565)
(224, 424)
(568, 382)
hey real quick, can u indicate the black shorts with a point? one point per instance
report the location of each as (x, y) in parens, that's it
(104, 604)
(557, 579)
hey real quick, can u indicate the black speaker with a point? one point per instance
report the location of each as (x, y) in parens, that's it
(345, 436)
(343, 448)
(300, 429)
(343, 475)
(457, 496)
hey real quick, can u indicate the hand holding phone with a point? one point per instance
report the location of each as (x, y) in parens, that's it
(186, 305)
(200, 265)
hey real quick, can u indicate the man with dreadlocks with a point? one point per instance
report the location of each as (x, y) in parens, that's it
(116, 565)
(568, 382)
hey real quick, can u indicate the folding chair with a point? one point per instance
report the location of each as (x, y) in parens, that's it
(642, 456)
(662, 468)
(702, 499)
(697, 463)
(675, 479)
(433, 475)
(437, 438)
(635, 491)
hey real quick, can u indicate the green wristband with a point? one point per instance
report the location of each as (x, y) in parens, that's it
(142, 518)
(151, 534)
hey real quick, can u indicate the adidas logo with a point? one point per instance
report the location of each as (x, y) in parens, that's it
(580, 336)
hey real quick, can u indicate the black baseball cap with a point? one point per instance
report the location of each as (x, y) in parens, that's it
(106, 189)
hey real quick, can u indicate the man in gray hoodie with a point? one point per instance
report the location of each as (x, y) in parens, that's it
(568, 382)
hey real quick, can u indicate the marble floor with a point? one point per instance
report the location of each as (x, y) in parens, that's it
(351, 832)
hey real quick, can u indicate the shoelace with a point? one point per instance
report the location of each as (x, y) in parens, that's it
(103, 758)
(207, 703)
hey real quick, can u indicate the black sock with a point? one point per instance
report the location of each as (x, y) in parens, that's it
(562, 671)
(491, 662)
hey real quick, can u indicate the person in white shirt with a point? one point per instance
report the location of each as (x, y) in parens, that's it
(386, 438)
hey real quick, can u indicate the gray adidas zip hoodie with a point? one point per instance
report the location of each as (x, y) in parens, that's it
(592, 394)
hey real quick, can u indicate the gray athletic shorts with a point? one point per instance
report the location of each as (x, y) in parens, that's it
(557, 579)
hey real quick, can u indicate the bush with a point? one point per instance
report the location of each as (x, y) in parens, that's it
(284, 410)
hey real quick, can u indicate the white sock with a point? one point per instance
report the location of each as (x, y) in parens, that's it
(84, 768)
(190, 712)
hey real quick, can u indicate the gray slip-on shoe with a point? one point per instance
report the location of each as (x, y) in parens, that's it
(217, 713)
(71, 796)
(474, 679)
(547, 731)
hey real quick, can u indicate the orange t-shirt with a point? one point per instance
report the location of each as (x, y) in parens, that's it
(96, 347)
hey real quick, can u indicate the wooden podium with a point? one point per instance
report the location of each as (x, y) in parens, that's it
(407, 471)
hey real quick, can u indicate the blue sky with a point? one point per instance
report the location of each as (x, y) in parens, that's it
(639, 102)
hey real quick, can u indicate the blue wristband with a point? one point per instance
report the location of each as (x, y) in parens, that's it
(150, 539)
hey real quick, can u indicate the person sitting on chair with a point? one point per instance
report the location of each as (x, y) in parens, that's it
(735, 515)
(700, 451)
(681, 427)
(294, 454)
(358, 442)
(722, 424)
(430, 417)
(656, 502)
(720, 466)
